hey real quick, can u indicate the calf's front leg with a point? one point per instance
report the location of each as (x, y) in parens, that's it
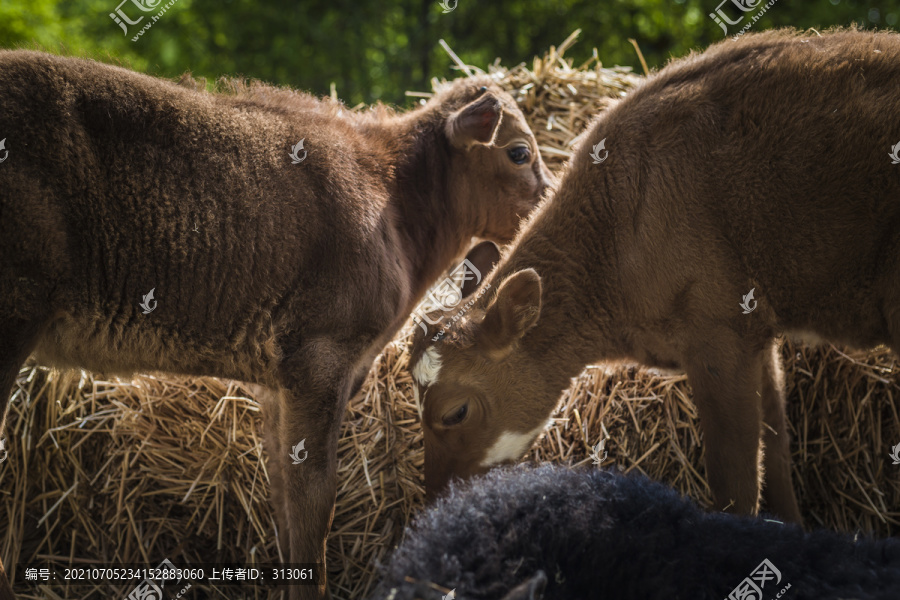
(726, 383)
(270, 400)
(309, 480)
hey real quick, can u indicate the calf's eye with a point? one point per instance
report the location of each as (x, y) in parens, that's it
(456, 417)
(519, 154)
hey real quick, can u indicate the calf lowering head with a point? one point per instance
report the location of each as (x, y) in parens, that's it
(495, 172)
(475, 387)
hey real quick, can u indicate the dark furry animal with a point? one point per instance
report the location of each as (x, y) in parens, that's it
(557, 534)
(285, 266)
(742, 192)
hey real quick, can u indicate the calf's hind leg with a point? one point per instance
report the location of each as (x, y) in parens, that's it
(778, 489)
(17, 340)
(725, 379)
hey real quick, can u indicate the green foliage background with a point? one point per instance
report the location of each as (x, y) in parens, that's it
(375, 50)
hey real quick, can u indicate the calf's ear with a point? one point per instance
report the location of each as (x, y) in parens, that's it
(475, 123)
(531, 589)
(514, 311)
(483, 258)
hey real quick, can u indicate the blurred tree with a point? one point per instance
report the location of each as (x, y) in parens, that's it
(377, 50)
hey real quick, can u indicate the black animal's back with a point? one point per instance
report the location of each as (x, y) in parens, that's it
(597, 534)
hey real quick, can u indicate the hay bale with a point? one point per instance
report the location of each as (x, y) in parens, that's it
(137, 470)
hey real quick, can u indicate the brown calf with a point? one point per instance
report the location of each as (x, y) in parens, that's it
(761, 164)
(288, 272)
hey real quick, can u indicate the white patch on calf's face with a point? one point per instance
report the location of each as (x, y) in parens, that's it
(427, 369)
(511, 445)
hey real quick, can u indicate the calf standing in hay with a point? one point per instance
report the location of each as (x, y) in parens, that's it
(761, 164)
(287, 272)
